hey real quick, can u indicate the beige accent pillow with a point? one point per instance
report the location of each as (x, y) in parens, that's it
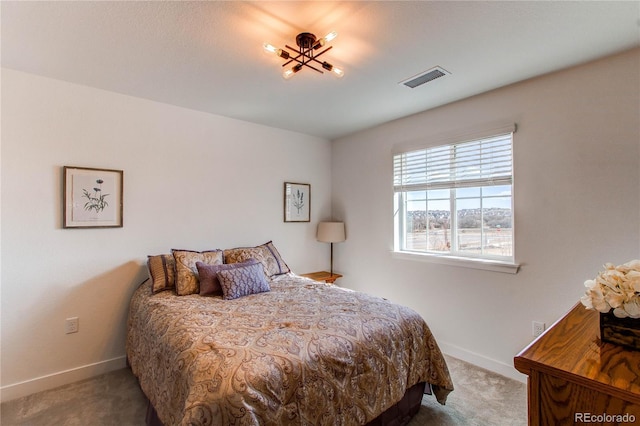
(186, 270)
(162, 272)
(266, 254)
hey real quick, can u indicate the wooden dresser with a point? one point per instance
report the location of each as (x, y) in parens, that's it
(574, 378)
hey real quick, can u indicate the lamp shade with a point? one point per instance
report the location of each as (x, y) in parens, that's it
(331, 232)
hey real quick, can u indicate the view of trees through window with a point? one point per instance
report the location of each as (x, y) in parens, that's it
(482, 225)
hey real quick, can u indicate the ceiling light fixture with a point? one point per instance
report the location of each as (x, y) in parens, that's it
(305, 55)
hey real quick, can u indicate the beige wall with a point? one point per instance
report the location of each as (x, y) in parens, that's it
(200, 181)
(577, 205)
(191, 180)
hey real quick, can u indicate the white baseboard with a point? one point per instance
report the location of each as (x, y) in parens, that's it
(507, 370)
(50, 381)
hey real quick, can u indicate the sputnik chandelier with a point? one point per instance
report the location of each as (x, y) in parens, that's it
(304, 55)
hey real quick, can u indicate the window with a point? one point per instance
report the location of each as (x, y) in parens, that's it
(456, 199)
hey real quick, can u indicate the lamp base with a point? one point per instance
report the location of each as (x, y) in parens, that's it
(331, 270)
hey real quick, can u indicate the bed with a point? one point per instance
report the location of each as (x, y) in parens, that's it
(297, 353)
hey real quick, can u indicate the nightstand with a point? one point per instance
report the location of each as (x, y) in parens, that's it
(323, 276)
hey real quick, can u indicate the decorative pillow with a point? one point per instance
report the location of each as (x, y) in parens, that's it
(266, 254)
(208, 275)
(186, 270)
(162, 270)
(243, 281)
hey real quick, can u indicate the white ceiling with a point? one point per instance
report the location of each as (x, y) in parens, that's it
(208, 56)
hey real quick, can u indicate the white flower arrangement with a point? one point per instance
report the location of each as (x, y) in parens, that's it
(617, 288)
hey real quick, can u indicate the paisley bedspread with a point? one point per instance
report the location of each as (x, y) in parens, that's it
(305, 353)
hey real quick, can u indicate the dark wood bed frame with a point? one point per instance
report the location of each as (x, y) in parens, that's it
(397, 415)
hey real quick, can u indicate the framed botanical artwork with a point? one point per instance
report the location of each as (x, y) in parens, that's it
(297, 202)
(92, 198)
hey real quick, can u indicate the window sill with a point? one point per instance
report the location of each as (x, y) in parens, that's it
(464, 262)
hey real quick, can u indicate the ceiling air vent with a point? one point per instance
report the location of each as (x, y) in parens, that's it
(425, 77)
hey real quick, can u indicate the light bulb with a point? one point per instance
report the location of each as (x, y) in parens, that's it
(278, 52)
(338, 72)
(330, 36)
(270, 48)
(324, 40)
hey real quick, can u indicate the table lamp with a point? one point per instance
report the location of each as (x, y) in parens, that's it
(331, 232)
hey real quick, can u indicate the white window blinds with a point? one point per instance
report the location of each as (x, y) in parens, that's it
(480, 162)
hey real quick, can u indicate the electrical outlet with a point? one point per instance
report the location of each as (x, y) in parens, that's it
(71, 325)
(537, 328)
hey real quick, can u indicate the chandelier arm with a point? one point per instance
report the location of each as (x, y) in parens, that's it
(313, 68)
(314, 58)
(324, 51)
(306, 64)
(304, 55)
(291, 58)
(320, 62)
(306, 52)
(295, 60)
(294, 50)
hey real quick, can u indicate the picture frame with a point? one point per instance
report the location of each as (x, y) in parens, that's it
(297, 202)
(92, 198)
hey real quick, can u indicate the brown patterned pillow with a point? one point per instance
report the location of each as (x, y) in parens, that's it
(162, 272)
(186, 270)
(266, 254)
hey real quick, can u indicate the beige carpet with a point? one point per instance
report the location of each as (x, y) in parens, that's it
(480, 398)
